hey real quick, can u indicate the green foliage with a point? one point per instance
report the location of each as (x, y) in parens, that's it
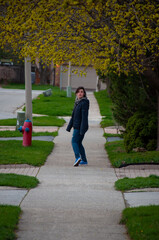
(130, 93)
(117, 34)
(9, 217)
(12, 152)
(141, 131)
(119, 157)
(17, 180)
(9, 54)
(105, 106)
(142, 222)
(136, 183)
(101, 75)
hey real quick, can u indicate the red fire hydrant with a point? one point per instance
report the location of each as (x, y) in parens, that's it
(27, 132)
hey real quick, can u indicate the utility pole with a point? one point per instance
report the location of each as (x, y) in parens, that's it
(28, 89)
(69, 81)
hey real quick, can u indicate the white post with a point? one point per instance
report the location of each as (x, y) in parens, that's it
(28, 89)
(97, 82)
(51, 76)
(69, 81)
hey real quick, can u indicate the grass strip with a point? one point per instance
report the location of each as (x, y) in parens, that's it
(12, 152)
(58, 104)
(34, 86)
(105, 105)
(119, 157)
(7, 134)
(37, 121)
(106, 122)
(136, 183)
(48, 121)
(9, 217)
(19, 181)
(112, 135)
(142, 222)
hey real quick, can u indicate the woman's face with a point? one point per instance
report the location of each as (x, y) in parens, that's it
(80, 94)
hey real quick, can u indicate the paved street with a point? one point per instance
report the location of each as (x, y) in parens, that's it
(11, 99)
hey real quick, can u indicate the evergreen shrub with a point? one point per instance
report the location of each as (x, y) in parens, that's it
(130, 94)
(141, 131)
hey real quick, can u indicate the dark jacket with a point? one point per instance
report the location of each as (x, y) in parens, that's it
(79, 119)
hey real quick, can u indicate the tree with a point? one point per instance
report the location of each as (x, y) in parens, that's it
(112, 35)
(44, 71)
(8, 54)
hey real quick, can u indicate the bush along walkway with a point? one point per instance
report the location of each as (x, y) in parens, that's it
(75, 202)
(138, 174)
(131, 164)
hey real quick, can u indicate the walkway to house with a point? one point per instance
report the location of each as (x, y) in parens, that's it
(74, 203)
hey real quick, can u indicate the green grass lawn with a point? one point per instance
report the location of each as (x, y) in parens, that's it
(119, 157)
(34, 87)
(9, 218)
(136, 183)
(37, 121)
(112, 135)
(16, 180)
(19, 134)
(142, 222)
(48, 121)
(105, 105)
(12, 152)
(56, 105)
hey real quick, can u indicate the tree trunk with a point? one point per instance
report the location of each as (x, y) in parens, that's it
(43, 76)
(44, 73)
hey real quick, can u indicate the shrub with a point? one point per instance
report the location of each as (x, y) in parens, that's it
(141, 131)
(130, 94)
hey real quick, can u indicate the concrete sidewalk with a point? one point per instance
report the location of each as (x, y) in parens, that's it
(74, 203)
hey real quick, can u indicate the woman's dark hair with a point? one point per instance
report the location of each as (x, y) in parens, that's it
(79, 88)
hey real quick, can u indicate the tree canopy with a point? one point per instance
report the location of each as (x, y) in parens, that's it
(114, 35)
(117, 36)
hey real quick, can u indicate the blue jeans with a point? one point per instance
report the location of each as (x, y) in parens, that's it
(77, 145)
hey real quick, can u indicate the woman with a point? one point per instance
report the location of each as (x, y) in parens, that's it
(79, 121)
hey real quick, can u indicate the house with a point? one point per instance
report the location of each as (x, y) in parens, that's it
(10, 72)
(85, 77)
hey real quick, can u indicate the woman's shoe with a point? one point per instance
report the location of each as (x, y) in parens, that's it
(83, 163)
(77, 161)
